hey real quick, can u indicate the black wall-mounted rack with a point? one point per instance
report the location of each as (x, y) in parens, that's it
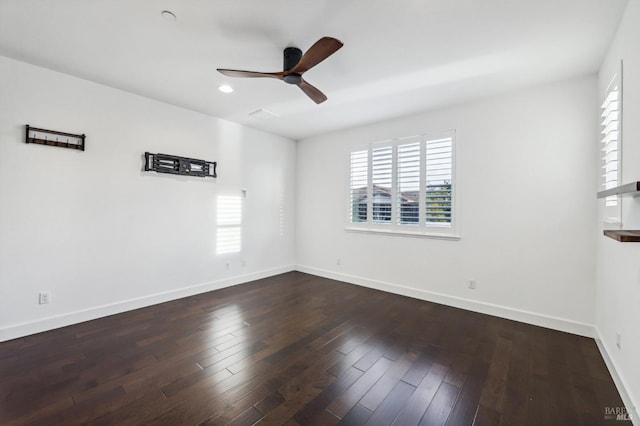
(54, 138)
(164, 163)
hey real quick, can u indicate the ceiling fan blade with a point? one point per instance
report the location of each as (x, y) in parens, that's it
(240, 73)
(317, 53)
(316, 95)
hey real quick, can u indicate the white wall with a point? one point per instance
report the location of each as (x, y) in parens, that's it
(618, 264)
(527, 209)
(101, 235)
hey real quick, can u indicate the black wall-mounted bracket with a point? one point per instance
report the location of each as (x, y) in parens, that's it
(54, 138)
(164, 163)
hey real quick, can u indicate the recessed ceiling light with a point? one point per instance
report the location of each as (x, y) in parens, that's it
(168, 15)
(225, 88)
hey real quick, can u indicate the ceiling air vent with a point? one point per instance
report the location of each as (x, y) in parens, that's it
(263, 114)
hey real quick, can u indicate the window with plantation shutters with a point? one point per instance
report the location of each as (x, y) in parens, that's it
(610, 160)
(404, 186)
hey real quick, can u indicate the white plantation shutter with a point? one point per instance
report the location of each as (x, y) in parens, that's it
(381, 177)
(408, 196)
(439, 180)
(610, 143)
(359, 187)
(404, 186)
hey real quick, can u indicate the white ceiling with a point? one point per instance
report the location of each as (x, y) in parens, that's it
(399, 57)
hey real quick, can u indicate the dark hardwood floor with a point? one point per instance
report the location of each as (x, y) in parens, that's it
(301, 350)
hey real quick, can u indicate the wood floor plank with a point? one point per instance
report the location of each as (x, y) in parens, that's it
(349, 359)
(307, 413)
(387, 382)
(494, 390)
(302, 389)
(392, 404)
(270, 402)
(296, 349)
(323, 418)
(354, 393)
(239, 404)
(250, 416)
(27, 417)
(464, 410)
(539, 392)
(422, 397)
(357, 416)
(518, 383)
(486, 417)
(440, 408)
(421, 366)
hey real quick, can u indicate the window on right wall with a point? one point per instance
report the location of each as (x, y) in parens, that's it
(611, 147)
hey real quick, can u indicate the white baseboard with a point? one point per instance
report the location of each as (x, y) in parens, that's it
(555, 323)
(24, 329)
(618, 379)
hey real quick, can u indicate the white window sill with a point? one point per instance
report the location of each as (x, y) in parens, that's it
(611, 221)
(453, 237)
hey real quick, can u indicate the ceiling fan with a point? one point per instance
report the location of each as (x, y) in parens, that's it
(296, 64)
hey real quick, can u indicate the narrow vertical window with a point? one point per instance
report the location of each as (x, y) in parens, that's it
(359, 186)
(610, 145)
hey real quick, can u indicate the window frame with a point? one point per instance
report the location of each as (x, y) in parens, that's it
(394, 227)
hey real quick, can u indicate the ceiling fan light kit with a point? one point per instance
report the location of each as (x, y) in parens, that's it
(295, 64)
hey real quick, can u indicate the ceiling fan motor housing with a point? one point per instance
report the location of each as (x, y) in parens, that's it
(292, 56)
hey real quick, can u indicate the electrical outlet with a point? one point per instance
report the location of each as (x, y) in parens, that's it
(619, 341)
(338, 261)
(228, 266)
(45, 297)
(244, 263)
(471, 284)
